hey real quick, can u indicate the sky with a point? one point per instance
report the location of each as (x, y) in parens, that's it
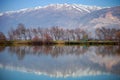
(11, 5)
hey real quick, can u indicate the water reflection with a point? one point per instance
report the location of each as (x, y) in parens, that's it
(54, 51)
(62, 61)
(2, 48)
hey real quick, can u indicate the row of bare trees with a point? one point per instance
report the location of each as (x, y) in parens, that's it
(108, 34)
(58, 33)
(54, 33)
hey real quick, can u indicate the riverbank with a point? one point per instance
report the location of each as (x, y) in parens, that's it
(29, 42)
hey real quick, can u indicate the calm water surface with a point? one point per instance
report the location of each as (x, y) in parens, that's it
(60, 63)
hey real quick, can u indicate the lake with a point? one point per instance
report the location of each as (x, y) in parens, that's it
(60, 62)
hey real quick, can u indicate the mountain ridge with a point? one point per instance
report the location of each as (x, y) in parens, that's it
(57, 6)
(63, 15)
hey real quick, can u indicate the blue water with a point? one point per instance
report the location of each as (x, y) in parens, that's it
(61, 62)
(16, 75)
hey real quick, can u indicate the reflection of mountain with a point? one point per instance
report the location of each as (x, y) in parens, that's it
(62, 61)
(107, 58)
(67, 73)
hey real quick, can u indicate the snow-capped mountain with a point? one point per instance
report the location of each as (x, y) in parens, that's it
(77, 7)
(107, 17)
(63, 15)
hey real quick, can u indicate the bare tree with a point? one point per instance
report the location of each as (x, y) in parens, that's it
(118, 35)
(2, 36)
(47, 37)
(29, 34)
(22, 30)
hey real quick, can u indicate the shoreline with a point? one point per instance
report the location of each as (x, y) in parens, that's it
(29, 42)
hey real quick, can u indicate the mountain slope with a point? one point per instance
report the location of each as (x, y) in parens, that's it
(63, 15)
(108, 17)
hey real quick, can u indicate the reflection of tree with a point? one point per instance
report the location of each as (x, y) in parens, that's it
(2, 48)
(54, 51)
(20, 52)
(108, 57)
(118, 50)
(105, 58)
(108, 50)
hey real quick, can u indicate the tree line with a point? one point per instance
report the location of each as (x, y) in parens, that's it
(57, 33)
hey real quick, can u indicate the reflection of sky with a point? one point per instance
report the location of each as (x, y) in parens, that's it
(64, 65)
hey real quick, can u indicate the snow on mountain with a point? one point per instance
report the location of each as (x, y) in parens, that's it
(78, 7)
(108, 17)
(63, 15)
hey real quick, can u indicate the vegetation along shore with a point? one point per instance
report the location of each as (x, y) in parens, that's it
(57, 35)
